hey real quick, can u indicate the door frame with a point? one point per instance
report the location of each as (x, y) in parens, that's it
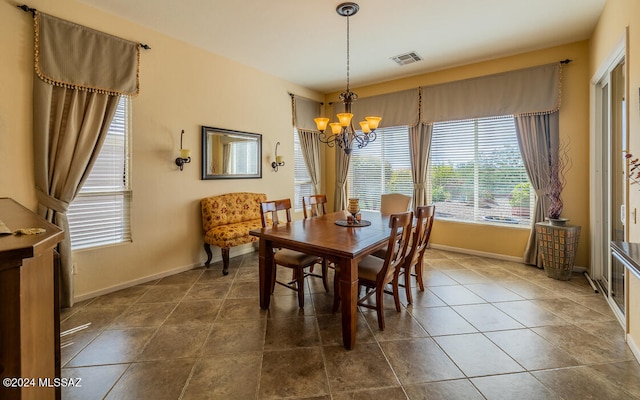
(600, 235)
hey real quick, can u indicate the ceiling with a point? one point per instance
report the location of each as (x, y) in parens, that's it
(304, 41)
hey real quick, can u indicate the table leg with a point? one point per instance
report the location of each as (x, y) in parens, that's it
(265, 268)
(349, 299)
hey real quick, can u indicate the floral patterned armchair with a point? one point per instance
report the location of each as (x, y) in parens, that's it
(227, 220)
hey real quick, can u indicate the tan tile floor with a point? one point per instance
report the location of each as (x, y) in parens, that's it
(483, 329)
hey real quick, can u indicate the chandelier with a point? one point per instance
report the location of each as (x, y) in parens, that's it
(342, 133)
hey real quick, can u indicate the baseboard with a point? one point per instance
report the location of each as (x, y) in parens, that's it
(634, 347)
(576, 268)
(238, 250)
(476, 253)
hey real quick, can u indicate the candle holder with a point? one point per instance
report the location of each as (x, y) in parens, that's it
(354, 209)
(279, 162)
(185, 154)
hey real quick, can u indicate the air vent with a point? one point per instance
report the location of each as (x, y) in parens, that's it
(407, 58)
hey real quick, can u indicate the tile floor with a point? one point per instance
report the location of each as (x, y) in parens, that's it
(483, 329)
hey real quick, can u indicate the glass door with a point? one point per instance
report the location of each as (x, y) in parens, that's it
(618, 175)
(610, 183)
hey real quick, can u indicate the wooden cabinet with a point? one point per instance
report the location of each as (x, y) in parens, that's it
(29, 306)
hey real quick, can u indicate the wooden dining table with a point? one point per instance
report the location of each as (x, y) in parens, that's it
(322, 236)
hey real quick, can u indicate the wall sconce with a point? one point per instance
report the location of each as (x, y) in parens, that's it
(279, 162)
(185, 154)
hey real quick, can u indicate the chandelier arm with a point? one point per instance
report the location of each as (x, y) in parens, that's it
(328, 140)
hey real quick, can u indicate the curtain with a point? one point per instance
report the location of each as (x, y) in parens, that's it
(342, 168)
(534, 90)
(419, 147)
(304, 111)
(69, 128)
(226, 159)
(538, 139)
(80, 74)
(396, 109)
(310, 146)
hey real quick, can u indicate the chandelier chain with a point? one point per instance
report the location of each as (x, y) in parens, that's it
(348, 46)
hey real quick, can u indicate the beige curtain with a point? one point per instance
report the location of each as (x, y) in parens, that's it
(80, 74)
(532, 90)
(310, 146)
(304, 111)
(342, 168)
(538, 139)
(396, 109)
(226, 158)
(419, 147)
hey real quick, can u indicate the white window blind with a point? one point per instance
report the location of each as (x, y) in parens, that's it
(100, 214)
(477, 173)
(381, 167)
(302, 180)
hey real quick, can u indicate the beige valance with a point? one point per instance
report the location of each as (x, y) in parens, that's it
(304, 111)
(534, 90)
(396, 109)
(74, 56)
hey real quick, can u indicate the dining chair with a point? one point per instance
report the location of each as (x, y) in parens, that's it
(375, 273)
(394, 203)
(314, 205)
(295, 260)
(417, 247)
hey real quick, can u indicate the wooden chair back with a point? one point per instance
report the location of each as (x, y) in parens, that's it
(401, 227)
(271, 209)
(313, 206)
(421, 235)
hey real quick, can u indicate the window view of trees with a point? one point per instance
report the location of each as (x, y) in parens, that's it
(477, 173)
(381, 167)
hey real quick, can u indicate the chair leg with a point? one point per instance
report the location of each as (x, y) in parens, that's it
(419, 274)
(380, 308)
(225, 260)
(396, 294)
(407, 285)
(300, 283)
(207, 249)
(273, 278)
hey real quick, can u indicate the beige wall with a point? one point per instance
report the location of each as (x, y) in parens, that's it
(618, 15)
(182, 87)
(574, 128)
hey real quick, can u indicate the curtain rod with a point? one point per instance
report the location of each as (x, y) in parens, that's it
(565, 61)
(26, 8)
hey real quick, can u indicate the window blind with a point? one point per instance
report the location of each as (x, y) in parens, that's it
(100, 214)
(382, 167)
(477, 174)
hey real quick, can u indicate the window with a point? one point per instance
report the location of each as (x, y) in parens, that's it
(477, 173)
(99, 215)
(381, 167)
(302, 180)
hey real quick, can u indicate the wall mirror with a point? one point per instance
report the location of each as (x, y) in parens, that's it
(228, 154)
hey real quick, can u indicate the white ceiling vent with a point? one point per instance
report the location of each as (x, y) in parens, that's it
(407, 58)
